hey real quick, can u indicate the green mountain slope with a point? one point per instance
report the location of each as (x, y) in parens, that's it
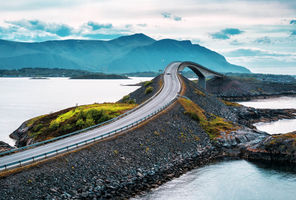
(132, 53)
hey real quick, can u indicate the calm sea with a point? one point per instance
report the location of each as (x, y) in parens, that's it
(230, 180)
(281, 126)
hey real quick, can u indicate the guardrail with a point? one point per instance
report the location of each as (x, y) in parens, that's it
(84, 142)
(82, 130)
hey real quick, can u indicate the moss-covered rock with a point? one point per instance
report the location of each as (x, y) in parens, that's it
(65, 121)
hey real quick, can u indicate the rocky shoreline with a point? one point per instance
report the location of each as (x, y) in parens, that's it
(238, 89)
(143, 158)
(5, 147)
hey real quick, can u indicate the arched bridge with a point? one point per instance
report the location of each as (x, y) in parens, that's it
(201, 71)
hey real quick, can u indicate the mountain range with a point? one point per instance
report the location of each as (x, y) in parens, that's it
(133, 53)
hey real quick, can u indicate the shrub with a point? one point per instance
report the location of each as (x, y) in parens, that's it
(131, 101)
(54, 125)
(126, 98)
(148, 90)
(37, 127)
(89, 122)
(80, 123)
(94, 114)
(147, 83)
(66, 127)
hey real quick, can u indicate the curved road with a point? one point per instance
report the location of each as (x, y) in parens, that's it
(169, 92)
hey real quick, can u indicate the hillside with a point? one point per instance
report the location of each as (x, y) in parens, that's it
(134, 53)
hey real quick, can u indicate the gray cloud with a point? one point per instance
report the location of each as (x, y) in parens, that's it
(168, 15)
(61, 30)
(102, 36)
(96, 26)
(142, 25)
(254, 52)
(263, 40)
(226, 33)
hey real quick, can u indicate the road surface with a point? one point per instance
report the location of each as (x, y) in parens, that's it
(169, 92)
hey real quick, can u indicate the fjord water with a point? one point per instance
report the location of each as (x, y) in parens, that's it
(24, 98)
(236, 179)
(280, 126)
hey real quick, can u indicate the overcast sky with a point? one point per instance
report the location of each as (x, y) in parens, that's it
(258, 34)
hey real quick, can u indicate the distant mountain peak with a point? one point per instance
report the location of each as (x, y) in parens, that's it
(139, 37)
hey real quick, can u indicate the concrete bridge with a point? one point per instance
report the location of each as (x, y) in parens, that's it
(201, 71)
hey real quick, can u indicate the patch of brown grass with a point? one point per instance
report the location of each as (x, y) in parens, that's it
(229, 103)
(213, 126)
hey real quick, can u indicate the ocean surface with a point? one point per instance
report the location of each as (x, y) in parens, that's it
(237, 179)
(230, 180)
(25, 98)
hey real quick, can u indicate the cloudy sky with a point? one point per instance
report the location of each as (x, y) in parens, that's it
(258, 34)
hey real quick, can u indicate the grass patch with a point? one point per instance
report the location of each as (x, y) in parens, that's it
(148, 90)
(278, 139)
(229, 103)
(127, 99)
(198, 92)
(73, 119)
(147, 83)
(31, 121)
(214, 125)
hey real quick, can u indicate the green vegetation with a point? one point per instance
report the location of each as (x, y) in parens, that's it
(31, 121)
(73, 119)
(214, 125)
(278, 139)
(228, 103)
(127, 99)
(148, 90)
(147, 83)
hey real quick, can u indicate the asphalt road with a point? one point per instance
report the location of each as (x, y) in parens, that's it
(170, 90)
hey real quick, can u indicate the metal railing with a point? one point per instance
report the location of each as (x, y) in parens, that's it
(84, 142)
(82, 130)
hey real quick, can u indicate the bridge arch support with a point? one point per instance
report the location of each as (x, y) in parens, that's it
(201, 71)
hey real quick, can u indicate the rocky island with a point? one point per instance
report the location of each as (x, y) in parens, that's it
(197, 129)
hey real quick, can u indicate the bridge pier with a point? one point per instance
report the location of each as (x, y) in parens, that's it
(202, 82)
